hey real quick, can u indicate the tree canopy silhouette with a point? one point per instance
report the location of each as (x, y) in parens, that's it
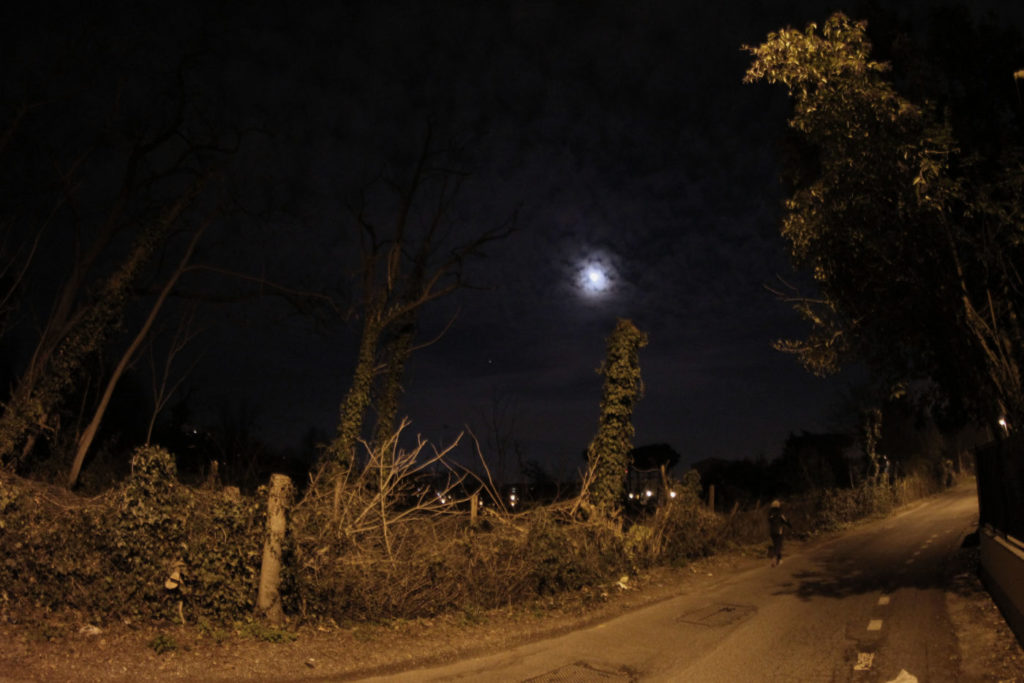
(906, 213)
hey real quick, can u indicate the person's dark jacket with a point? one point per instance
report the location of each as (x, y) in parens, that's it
(777, 521)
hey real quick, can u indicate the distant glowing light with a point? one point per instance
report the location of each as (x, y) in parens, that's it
(594, 279)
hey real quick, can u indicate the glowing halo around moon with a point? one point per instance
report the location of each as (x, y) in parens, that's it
(594, 279)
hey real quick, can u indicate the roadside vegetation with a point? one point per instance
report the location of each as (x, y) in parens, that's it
(156, 551)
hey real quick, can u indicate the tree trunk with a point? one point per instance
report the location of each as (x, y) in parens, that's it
(397, 353)
(608, 453)
(44, 385)
(85, 441)
(353, 409)
(268, 600)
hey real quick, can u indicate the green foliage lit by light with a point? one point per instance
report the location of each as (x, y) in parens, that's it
(214, 538)
(163, 643)
(908, 219)
(111, 557)
(608, 453)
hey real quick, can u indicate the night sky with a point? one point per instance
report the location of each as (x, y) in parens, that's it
(618, 133)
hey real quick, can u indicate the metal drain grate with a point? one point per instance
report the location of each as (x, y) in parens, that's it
(718, 614)
(580, 672)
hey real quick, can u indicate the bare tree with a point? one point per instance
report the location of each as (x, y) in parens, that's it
(402, 270)
(115, 187)
(87, 436)
(74, 333)
(164, 387)
(15, 256)
(396, 487)
(500, 424)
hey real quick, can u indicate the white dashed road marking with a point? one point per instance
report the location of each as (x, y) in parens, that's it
(875, 625)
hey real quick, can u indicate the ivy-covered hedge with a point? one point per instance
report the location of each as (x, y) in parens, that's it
(154, 550)
(115, 557)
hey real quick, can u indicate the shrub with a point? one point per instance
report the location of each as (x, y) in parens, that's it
(369, 543)
(682, 529)
(568, 555)
(267, 634)
(163, 643)
(378, 554)
(420, 560)
(212, 539)
(109, 557)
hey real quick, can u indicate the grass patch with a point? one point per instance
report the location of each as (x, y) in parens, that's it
(162, 644)
(267, 634)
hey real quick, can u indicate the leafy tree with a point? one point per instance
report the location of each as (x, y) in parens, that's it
(608, 454)
(910, 225)
(654, 456)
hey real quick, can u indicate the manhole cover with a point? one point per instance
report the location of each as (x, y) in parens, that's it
(580, 673)
(718, 615)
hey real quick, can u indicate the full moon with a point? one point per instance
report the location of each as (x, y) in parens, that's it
(593, 279)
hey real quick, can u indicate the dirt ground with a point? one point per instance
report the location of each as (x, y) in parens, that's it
(63, 650)
(988, 649)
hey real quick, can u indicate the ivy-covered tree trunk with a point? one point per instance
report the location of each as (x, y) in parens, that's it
(872, 435)
(353, 408)
(396, 355)
(403, 268)
(43, 388)
(608, 453)
(86, 438)
(341, 452)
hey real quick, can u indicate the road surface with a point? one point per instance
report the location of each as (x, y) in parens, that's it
(868, 605)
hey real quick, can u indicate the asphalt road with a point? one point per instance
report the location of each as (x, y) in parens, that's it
(868, 605)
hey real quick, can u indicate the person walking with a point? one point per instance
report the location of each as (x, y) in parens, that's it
(777, 523)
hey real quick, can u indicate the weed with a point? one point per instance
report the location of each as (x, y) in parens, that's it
(218, 634)
(163, 643)
(268, 634)
(473, 615)
(48, 632)
(362, 634)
